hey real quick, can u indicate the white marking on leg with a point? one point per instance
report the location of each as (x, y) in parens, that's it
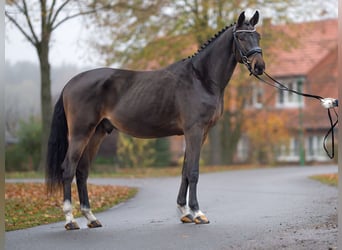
(198, 213)
(184, 210)
(88, 214)
(67, 209)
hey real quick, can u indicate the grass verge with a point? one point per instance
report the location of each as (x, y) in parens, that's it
(27, 205)
(329, 179)
(108, 171)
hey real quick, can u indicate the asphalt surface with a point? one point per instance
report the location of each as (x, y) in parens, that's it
(278, 208)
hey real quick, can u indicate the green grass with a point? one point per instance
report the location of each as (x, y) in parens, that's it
(24, 175)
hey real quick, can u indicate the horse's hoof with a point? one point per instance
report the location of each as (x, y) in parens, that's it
(201, 219)
(72, 226)
(94, 224)
(187, 218)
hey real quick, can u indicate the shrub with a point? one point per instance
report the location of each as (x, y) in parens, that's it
(163, 154)
(134, 153)
(25, 155)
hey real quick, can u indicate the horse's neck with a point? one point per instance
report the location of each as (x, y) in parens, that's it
(216, 63)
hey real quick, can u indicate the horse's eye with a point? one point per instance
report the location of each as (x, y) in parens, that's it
(242, 38)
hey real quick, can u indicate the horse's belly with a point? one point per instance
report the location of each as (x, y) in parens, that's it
(143, 127)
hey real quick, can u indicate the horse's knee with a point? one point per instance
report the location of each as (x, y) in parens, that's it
(70, 163)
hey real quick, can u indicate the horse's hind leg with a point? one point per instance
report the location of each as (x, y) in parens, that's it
(74, 153)
(82, 171)
(78, 140)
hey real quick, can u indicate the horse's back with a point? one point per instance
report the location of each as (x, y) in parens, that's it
(140, 103)
(90, 79)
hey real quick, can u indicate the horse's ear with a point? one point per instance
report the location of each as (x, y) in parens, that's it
(241, 19)
(254, 20)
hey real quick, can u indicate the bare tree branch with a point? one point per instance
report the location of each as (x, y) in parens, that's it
(51, 11)
(27, 36)
(29, 22)
(57, 13)
(71, 17)
(18, 6)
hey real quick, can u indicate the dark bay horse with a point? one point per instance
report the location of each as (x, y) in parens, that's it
(185, 98)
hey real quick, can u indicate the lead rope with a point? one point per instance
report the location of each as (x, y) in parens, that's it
(328, 103)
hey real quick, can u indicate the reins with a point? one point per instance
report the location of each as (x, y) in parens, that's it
(328, 103)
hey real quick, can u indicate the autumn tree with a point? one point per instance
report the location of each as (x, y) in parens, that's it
(266, 132)
(37, 21)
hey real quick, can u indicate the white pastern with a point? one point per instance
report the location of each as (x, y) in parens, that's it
(67, 209)
(88, 214)
(198, 213)
(185, 210)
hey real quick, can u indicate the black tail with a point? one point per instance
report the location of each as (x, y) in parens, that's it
(57, 148)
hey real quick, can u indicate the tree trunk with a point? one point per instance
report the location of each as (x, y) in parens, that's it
(46, 105)
(215, 145)
(230, 139)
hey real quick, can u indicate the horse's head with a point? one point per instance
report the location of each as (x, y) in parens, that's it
(246, 41)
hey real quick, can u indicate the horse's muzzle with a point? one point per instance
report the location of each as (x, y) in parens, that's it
(258, 64)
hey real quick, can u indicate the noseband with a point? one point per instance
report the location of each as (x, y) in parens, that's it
(246, 55)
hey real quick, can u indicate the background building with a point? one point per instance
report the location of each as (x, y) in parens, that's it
(309, 66)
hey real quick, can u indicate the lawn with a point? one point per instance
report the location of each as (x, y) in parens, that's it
(27, 205)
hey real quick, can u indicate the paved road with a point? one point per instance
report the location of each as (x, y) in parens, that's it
(255, 209)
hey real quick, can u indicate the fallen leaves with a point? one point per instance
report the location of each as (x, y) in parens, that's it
(330, 179)
(27, 204)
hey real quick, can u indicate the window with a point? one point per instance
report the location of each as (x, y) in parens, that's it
(286, 99)
(256, 98)
(290, 152)
(315, 151)
(242, 149)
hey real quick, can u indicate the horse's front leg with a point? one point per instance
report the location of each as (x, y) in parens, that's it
(193, 139)
(186, 215)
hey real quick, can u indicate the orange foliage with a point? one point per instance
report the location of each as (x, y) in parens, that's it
(267, 132)
(27, 205)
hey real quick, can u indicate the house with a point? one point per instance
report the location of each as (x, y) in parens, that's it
(310, 66)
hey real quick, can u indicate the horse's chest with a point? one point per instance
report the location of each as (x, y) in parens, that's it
(216, 115)
(212, 111)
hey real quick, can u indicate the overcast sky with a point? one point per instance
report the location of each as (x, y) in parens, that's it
(68, 45)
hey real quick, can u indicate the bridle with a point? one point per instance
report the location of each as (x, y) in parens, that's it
(245, 55)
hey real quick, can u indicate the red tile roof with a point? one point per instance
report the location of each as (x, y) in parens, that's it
(312, 42)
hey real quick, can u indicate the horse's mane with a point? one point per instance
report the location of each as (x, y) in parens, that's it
(212, 39)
